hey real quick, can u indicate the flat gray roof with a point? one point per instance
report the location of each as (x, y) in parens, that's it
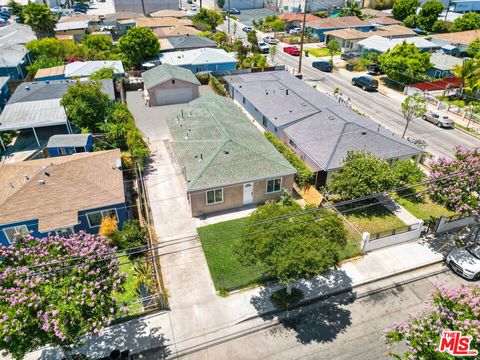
(65, 140)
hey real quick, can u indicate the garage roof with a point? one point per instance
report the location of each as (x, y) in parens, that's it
(161, 73)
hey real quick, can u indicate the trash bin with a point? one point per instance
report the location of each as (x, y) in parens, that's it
(349, 67)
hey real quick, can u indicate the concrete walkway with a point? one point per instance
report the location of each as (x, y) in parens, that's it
(225, 216)
(398, 210)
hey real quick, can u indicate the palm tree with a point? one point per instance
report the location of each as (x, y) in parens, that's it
(469, 73)
(352, 9)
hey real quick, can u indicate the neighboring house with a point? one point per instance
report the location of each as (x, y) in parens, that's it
(79, 69)
(62, 195)
(200, 60)
(383, 21)
(436, 87)
(171, 31)
(69, 144)
(37, 104)
(456, 42)
(156, 23)
(318, 129)
(78, 27)
(348, 38)
(187, 42)
(169, 13)
(442, 65)
(167, 84)
(226, 162)
(320, 27)
(14, 57)
(297, 18)
(4, 91)
(381, 45)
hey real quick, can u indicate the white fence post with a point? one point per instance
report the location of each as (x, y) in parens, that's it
(365, 240)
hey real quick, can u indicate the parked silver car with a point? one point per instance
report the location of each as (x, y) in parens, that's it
(465, 261)
(270, 40)
(441, 121)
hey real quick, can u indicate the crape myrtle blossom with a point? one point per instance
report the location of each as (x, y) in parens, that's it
(448, 309)
(53, 290)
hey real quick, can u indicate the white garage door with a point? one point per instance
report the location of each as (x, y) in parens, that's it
(173, 96)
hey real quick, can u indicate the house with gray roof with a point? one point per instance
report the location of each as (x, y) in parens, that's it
(188, 42)
(14, 57)
(316, 127)
(225, 161)
(442, 65)
(200, 60)
(167, 84)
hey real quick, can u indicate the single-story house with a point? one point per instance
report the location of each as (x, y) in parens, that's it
(169, 13)
(200, 60)
(79, 69)
(37, 104)
(75, 193)
(320, 27)
(171, 31)
(463, 6)
(167, 84)
(79, 17)
(14, 57)
(455, 42)
(186, 42)
(383, 21)
(442, 65)
(226, 162)
(78, 27)
(318, 129)
(296, 19)
(4, 91)
(381, 45)
(348, 38)
(69, 144)
(155, 23)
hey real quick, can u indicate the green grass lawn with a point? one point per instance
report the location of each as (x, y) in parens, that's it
(422, 207)
(130, 294)
(373, 219)
(319, 52)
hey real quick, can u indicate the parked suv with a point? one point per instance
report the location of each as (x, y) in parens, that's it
(322, 66)
(441, 121)
(233, 11)
(465, 261)
(350, 55)
(365, 82)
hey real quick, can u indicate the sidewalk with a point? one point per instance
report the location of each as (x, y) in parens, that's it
(398, 210)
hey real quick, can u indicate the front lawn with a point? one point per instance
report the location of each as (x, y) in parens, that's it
(421, 206)
(319, 52)
(372, 219)
(130, 294)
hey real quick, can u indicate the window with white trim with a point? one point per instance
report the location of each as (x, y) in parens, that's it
(65, 232)
(11, 231)
(95, 218)
(274, 185)
(214, 196)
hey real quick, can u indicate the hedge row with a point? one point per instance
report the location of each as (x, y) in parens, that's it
(304, 175)
(217, 86)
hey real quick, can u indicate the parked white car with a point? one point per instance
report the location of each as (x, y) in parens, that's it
(295, 30)
(270, 40)
(264, 47)
(465, 261)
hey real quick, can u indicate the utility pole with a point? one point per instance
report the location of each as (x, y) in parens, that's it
(228, 17)
(448, 8)
(302, 39)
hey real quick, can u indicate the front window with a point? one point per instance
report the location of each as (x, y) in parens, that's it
(264, 121)
(63, 151)
(292, 143)
(65, 233)
(274, 185)
(11, 231)
(95, 218)
(214, 196)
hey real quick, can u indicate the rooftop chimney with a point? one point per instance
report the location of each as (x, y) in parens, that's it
(26, 178)
(286, 92)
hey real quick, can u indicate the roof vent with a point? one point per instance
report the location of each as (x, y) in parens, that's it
(226, 152)
(330, 117)
(27, 88)
(26, 178)
(41, 182)
(364, 133)
(286, 92)
(11, 185)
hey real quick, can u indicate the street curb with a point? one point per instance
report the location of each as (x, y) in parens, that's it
(467, 132)
(345, 289)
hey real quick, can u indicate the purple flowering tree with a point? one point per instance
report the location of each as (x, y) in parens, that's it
(54, 290)
(450, 309)
(460, 191)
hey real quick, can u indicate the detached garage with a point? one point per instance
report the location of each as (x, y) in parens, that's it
(168, 84)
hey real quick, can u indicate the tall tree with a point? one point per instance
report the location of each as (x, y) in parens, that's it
(468, 21)
(333, 48)
(362, 174)
(40, 18)
(98, 42)
(55, 290)
(351, 9)
(405, 63)
(86, 105)
(413, 107)
(469, 73)
(473, 49)
(456, 183)
(137, 45)
(16, 9)
(221, 4)
(291, 247)
(208, 19)
(272, 51)
(428, 14)
(51, 48)
(403, 8)
(448, 309)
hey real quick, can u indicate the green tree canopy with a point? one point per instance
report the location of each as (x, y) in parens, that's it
(291, 247)
(40, 18)
(85, 104)
(137, 45)
(98, 42)
(16, 9)
(413, 107)
(441, 26)
(220, 4)
(407, 173)
(351, 9)
(252, 38)
(104, 73)
(411, 21)
(405, 63)
(51, 48)
(208, 19)
(333, 47)
(403, 8)
(428, 14)
(468, 21)
(362, 174)
(277, 25)
(473, 49)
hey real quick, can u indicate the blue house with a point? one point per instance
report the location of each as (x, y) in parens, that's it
(4, 91)
(320, 27)
(61, 195)
(14, 57)
(68, 144)
(200, 60)
(442, 65)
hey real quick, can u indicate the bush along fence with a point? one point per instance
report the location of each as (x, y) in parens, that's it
(304, 175)
(217, 86)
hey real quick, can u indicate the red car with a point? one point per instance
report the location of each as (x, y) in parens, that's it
(292, 50)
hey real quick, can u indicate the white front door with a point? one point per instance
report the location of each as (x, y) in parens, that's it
(247, 193)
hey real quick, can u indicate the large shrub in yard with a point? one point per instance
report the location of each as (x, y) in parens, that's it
(131, 236)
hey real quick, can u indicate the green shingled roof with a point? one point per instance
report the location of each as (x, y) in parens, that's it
(161, 73)
(217, 145)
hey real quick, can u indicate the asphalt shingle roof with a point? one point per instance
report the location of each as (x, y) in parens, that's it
(218, 146)
(191, 41)
(197, 57)
(161, 73)
(321, 127)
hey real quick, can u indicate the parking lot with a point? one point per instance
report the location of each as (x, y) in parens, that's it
(247, 16)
